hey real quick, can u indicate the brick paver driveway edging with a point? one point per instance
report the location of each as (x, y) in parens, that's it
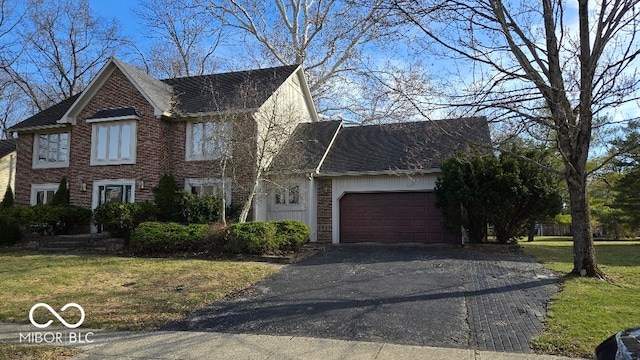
(414, 295)
(507, 300)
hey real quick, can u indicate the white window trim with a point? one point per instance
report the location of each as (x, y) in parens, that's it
(41, 187)
(188, 156)
(285, 207)
(36, 151)
(189, 182)
(132, 144)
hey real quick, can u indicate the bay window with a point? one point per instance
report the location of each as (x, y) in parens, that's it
(113, 143)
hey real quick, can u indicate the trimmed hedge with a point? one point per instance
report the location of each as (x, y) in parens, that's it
(257, 237)
(10, 230)
(42, 219)
(157, 237)
(192, 209)
(267, 237)
(49, 219)
(120, 219)
(292, 234)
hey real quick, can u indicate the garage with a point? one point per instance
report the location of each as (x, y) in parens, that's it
(392, 217)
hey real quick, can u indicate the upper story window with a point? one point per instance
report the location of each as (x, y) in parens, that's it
(208, 140)
(113, 138)
(51, 150)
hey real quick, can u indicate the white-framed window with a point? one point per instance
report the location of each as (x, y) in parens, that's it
(207, 186)
(289, 196)
(208, 140)
(113, 143)
(43, 193)
(51, 150)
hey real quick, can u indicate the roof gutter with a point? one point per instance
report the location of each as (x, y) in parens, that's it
(181, 116)
(38, 128)
(377, 173)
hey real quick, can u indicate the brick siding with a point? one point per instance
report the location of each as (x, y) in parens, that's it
(160, 149)
(324, 195)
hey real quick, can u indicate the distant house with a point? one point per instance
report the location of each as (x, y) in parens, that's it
(349, 184)
(7, 166)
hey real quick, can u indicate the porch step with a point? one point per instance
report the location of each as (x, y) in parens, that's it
(68, 243)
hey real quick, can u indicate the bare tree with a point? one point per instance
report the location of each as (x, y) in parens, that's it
(551, 64)
(185, 38)
(12, 103)
(8, 21)
(275, 124)
(338, 42)
(247, 137)
(60, 46)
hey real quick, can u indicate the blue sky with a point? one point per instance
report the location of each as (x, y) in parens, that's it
(122, 10)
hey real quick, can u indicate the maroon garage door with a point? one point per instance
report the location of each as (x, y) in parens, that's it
(392, 218)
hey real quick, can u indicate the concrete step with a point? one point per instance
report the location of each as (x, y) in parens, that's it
(54, 250)
(67, 243)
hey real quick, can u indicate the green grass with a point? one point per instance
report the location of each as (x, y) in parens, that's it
(587, 310)
(35, 352)
(115, 292)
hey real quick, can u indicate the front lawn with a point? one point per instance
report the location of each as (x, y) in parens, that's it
(587, 311)
(115, 292)
(35, 352)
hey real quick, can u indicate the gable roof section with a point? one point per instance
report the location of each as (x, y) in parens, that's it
(195, 95)
(233, 91)
(157, 93)
(306, 148)
(404, 147)
(7, 147)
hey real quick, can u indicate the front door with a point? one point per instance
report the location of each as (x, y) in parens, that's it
(112, 191)
(114, 194)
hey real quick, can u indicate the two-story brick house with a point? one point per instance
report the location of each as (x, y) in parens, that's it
(349, 184)
(114, 140)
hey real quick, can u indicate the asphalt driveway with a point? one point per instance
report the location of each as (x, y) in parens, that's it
(414, 295)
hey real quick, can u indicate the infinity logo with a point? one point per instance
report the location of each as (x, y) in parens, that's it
(66, 324)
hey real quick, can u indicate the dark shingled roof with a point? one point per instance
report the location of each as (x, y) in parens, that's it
(196, 94)
(114, 112)
(7, 147)
(228, 91)
(158, 93)
(48, 116)
(306, 147)
(412, 146)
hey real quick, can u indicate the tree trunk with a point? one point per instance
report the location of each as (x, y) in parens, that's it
(247, 205)
(244, 213)
(532, 230)
(584, 259)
